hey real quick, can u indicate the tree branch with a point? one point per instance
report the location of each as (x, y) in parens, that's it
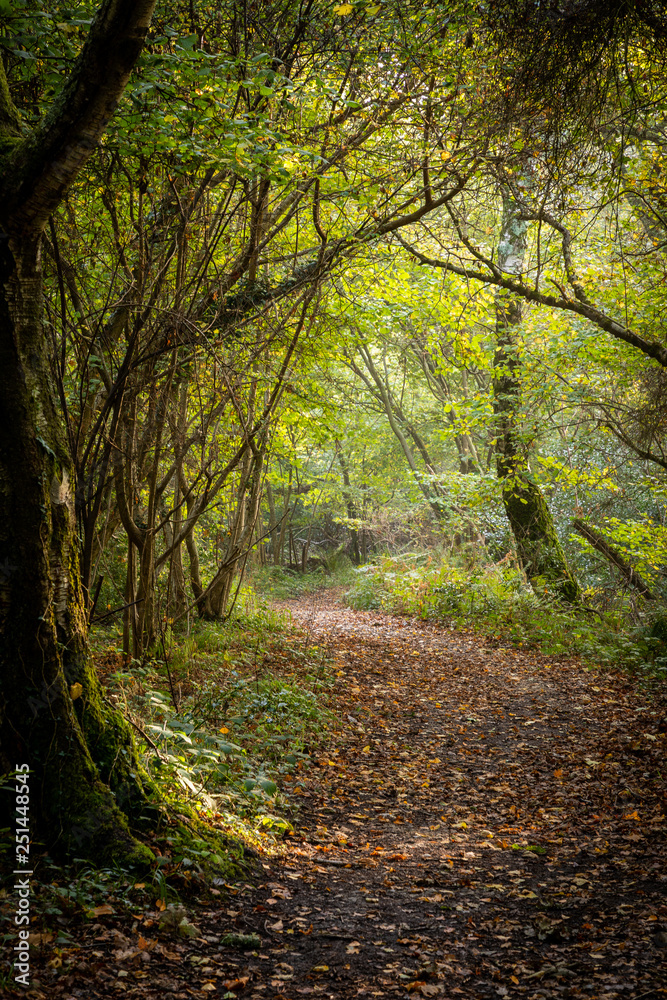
(36, 174)
(582, 308)
(612, 555)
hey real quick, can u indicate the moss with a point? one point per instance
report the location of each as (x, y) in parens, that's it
(538, 547)
(111, 743)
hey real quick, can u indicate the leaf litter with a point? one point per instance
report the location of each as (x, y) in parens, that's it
(487, 823)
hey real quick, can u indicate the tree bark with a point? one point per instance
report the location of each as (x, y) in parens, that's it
(352, 513)
(612, 555)
(84, 768)
(539, 550)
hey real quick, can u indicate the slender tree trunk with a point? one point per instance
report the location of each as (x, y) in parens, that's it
(352, 514)
(537, 543)
(216, 597)
(129, 611)
(273, 526)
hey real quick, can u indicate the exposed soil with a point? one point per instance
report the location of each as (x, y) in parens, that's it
(489, 823)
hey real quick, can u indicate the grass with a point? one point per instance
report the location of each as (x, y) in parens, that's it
(497, 601)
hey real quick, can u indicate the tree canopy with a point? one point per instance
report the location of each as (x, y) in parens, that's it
(285, 280)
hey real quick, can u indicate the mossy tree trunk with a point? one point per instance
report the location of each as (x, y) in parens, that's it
(84, 774)
(537, 543)
(352, 512)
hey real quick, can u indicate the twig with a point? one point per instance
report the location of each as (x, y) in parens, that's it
(115, 611)
(166, 663)
(146, 737)
(96, 595)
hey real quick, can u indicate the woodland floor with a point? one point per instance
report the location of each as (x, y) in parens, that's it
(489, 824)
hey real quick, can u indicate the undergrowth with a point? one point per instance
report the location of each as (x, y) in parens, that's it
(334, 569)
(222, 712)
(497, 601)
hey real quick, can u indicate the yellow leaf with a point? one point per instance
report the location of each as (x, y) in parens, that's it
(632, 815)
(444, 155)
(224, 729)
(366, 750)
(558, 773)
(320, 968)
(101, 911)
(514, 980)
(343, 8)
(76, 691)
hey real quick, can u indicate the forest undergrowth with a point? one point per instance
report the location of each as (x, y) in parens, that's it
(423, 812)
(611, 630)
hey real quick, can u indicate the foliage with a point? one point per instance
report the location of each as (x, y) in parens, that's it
(496, 601)
(224, 716)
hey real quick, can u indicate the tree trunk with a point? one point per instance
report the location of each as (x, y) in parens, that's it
(539, 550)
(81, 754)
(352, 514)
(77, 747)
(215, 599)
(612, 555)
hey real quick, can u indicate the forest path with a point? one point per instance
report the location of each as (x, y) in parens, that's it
(486, 823)
(409, 873)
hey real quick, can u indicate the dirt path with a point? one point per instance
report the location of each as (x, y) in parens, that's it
(489, 824)
(410, 874)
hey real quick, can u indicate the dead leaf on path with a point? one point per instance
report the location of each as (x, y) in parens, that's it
(353, 948)
(424, 989)
(171, 956)
(236, 984)
(37, 939)
(146, 944)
